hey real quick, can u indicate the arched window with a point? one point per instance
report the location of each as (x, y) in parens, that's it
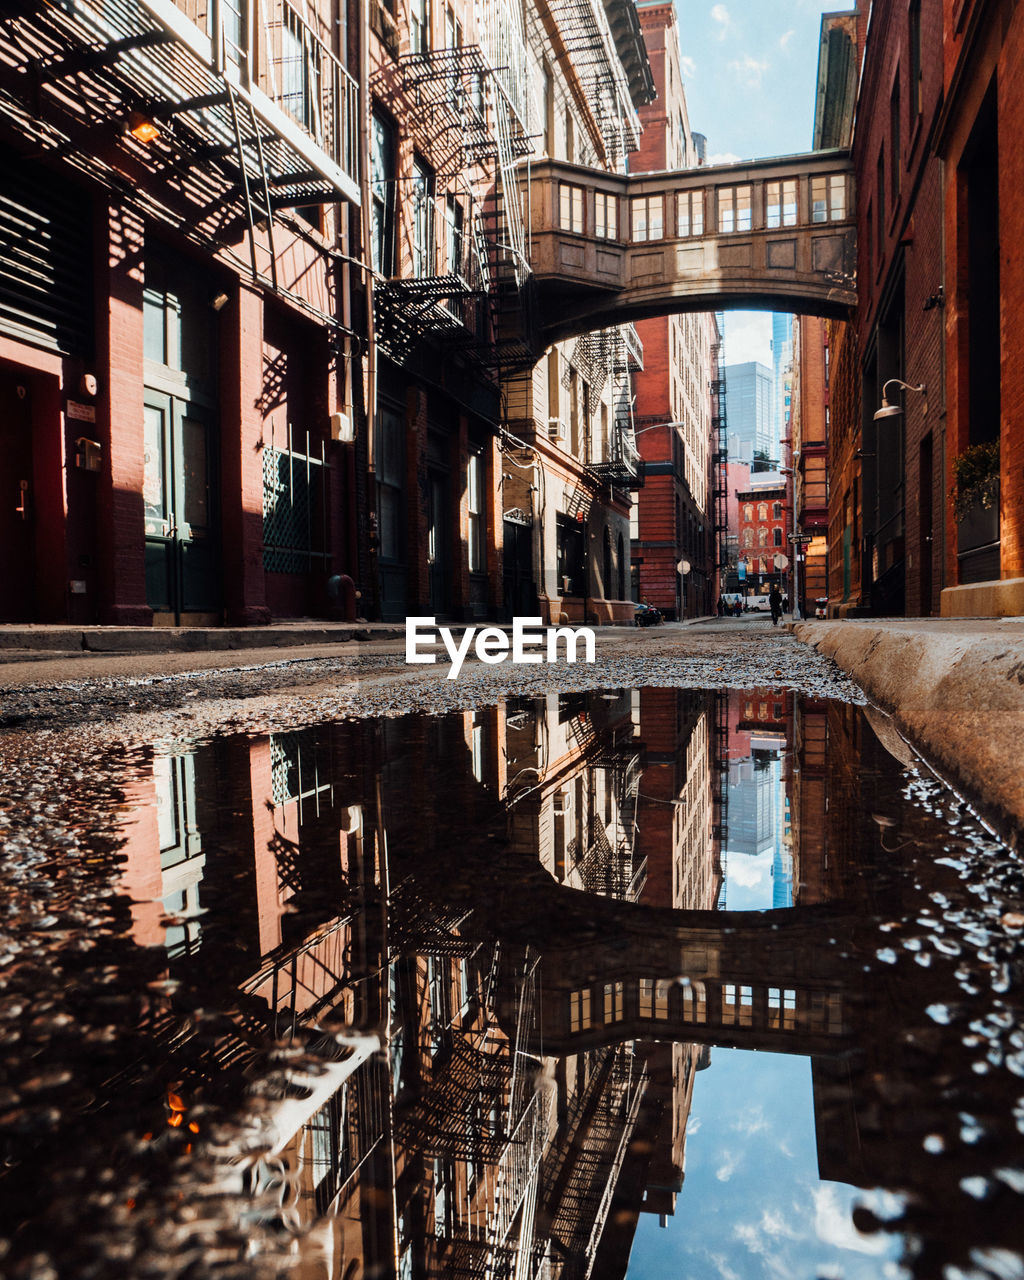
(762, 511)
(777, 537)
(762, 537)
(606, 581)
(777, 511)
(622, 568)
(748, 511)
(748, 537)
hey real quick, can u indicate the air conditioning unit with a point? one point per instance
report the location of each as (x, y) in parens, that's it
(556, 429)
(558, 802)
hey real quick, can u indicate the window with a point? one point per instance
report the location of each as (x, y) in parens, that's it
(382, 189)
(748, 537)
(880, 184)
(390, 481)
(454, 235)
(694, 1003)
(570, 207)
(579, 1010)
(762, 511)
(605, 216)
(570, 556)
(748, 511)
(914, 97)
(735, 208)
(762, 537)
(895, 150)
(690, 213)
(737, 1005)
(781, 1008)
(419, 26)
(294, 67)
(613, 1002)
(622, 568)
(780, 203)
(777, 511)
(648, 217)
(423, 220)
(828, 198)
(475, 503)
(653, 998)
(777, 537)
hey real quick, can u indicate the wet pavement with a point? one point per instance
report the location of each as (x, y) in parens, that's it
(499, 991)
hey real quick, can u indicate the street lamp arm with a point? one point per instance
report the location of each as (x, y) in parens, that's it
(898, 382)
(656, 426)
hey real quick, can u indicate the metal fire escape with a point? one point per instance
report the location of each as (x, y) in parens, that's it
(205, 121)
(720, 457)
(590, 45)
(467, 107)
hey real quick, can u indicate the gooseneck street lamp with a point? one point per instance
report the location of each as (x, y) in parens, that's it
(890, 408)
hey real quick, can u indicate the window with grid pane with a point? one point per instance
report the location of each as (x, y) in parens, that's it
(648, 217)
(735, 209)
(570, 207)
(780, 203)
(690, 213)
(828, 198)
(606, 220)
(474, 501)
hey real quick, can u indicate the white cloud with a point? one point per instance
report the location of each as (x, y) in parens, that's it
(720, 15)
(776, 1225)
(687, 66)
(748, 336)
(752, 1120)
(786, 37)
(725, 1272)
(729, 1165)
(744, 868)
(749, 70)
(833, 1225)
(724, 157)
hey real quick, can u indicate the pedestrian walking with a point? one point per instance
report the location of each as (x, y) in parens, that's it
(775, 604)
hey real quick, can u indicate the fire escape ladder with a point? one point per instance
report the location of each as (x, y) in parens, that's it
(720, 427)
(255, 213)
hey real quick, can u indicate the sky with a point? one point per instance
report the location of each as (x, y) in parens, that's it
(750, 70)
(752, 1206)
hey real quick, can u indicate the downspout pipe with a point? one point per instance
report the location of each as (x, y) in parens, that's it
(366, 253)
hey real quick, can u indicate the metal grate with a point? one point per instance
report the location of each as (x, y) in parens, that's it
(294, 509)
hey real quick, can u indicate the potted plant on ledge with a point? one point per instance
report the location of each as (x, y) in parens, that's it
(975, 495)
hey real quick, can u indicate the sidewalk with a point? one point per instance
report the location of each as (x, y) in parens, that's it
(955, 686)
(40, 640)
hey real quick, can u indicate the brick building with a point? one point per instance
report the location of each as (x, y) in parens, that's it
(981, 79)
(672, 519)
(176, 336)
(763, 528)
(809, 425)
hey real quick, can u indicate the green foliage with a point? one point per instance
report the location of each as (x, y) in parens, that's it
(975, 479)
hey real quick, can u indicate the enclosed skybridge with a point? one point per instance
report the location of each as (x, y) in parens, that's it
(608, 248)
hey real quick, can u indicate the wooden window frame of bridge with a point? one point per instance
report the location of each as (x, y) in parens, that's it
(650, 224)
(571, 216)
(729, 201)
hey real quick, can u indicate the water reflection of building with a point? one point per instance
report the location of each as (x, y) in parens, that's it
(533, 1096)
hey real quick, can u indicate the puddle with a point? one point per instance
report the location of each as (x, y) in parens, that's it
(646, 983)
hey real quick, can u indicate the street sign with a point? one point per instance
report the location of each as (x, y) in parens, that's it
(683, 567)
(781, 561)
(800, 538)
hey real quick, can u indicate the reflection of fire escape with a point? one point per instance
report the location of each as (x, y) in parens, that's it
(580, 1180)
(720, 457)
(608, 866)
(467, 108)
(720, 827)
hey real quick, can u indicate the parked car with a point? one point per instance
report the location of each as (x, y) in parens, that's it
(821, 607)
(647, 615)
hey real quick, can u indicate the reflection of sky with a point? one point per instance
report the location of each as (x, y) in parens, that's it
(752, 1205)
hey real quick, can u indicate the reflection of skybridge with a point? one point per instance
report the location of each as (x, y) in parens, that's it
(608, 247)
(615, 971)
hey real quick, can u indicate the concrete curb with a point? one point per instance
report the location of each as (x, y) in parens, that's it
(957, 692)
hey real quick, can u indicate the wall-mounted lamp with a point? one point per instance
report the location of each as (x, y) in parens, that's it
(141, 127)
(219, 301)
(890, 409)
